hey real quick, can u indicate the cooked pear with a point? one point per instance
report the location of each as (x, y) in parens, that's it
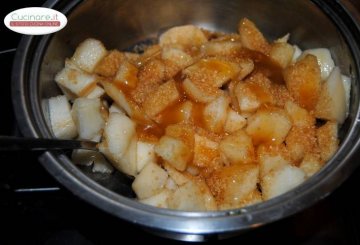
(254, 92)
(176, 55)
(252, 38)
(158, 200)
(165, 96)
(178, 177)
(311, 164)
(299, 116)
(174, 151)
(206, 152)
(192, 196)
(215, 114)
(79, 83)
(234, 122)
(119, 135)
(327, 136)
(324, 59)
(332, 101)
(62, 123)
(297, 53)
(232, 185)
(271, 158)
(221, 48)
(88, 54)
(150, 181)
(88, 158)
(303, 80)
(201, 92)
(213, 71)
(186, 36)
(109, 65)
(126, 74)
(88, 110)
(282, 53)
(281, 180)
(268, 126)
(238, 148)
(123, 100)
(145, 154)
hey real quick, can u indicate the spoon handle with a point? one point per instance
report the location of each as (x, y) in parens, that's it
(11, 143)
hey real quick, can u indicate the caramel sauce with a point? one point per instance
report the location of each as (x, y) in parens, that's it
(124, 88)
(171, 115)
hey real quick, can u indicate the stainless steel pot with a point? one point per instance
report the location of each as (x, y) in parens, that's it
(120, 24)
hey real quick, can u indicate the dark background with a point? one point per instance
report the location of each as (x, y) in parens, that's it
(57, 217)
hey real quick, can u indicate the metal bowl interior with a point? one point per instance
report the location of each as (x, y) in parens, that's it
(120, 24)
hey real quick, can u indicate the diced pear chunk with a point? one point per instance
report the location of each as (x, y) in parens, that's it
(177, 56)
(327, 136)
(158, 200)
(324, 59)
(165, 96)
(281, 180)
(78, 82)
(145, 154)
(238, 148)
(62, 123)
(253, 92)
(123, 100)
(332, 101)
(252, 38)
(214, 71)
(88, 110)
(109, 65)
(178, 177)
(127, 74)
(221, 48)
(271, 158)
(299, 116)
(115, 108)
(282, 53)
(303, 81)
(119, 143)
(231, 185)
(97, 92)
(283, 39)
(268, 126)
(87, 158)
(182, 131)
(234, 121)
(297, 53)
(174, 151)
(206, 152)
(215, 114)
(311, 164)
(201, 92)
(88, 54)
(150, 181)
(187, 36)
(192, 196)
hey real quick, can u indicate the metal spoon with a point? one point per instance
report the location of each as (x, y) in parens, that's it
(11, 143)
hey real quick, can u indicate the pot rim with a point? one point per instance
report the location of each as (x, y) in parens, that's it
(31, 122)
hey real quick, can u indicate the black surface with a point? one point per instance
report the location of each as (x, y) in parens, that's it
(58, 217)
